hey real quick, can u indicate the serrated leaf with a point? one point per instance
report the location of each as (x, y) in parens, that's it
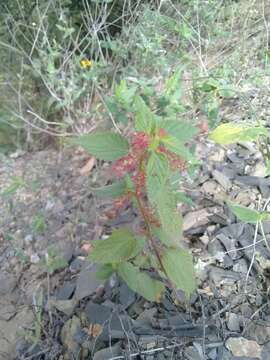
(104, 271)
(182, 197)
(231, 133)
(178, 147)
(103, 145)
(170, 219)
(179, 268)
(140, 244)
(157, 173)
(244, 213)
(141, 282)
(180, 130)
(112, 191)
(144, 118)
(118, 247)
(166, 238)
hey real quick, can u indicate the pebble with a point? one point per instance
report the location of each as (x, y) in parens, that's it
(240, 346)
(86, 283)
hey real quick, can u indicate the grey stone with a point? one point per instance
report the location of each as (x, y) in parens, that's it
(86, 284)
(65, 291)
(108, 353)
(65, 306)
(259, 333)
(97, 314)
(220, 276)
(233, 322)
(243, 347)
(126, 295)
(147, 316)
(68, 332)
(222, 179)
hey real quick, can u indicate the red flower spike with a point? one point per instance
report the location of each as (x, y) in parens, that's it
(124, 165)
(140, 141)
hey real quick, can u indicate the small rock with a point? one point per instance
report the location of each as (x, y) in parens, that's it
(97, 314)
(243, 347)
(222, 179)
(65, 306)
(223, 277)
(78, 264)
(233, 322)
(209, 187)
(126, 295)
(218, 155)
(65, 291)
(87, 283)
(68, 332)
(108, 353)
(195, 219)
(259, 170)
(258, 333)
(147, 316)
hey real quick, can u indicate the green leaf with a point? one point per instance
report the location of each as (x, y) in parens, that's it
(231, 133)
(265, 216)
(178, 147)
(144, 118)
(140, 244)
(209, 85)
(245, 214)
(179, 268)
(183, 131)
(112, 191)
(104, 145)
(173, 84)
(141, 282)
(182, 197)
(170, 219)
(118, 247)
(124, 94)
(157, 173)
(166, 238)
(104, 271)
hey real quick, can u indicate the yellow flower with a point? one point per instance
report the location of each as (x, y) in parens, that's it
(86, 63)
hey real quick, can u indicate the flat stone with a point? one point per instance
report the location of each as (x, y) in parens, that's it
(222, 179)
(86, 284)
(126, 295)
(9, 331)
(243, 347)
(65, 291)
(97, 314)
(68, 332)
(259, 333)
(196, 219)
(233, 322)
(108, 353)
(65, 306)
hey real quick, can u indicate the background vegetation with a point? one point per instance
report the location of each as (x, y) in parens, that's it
(49, 91)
